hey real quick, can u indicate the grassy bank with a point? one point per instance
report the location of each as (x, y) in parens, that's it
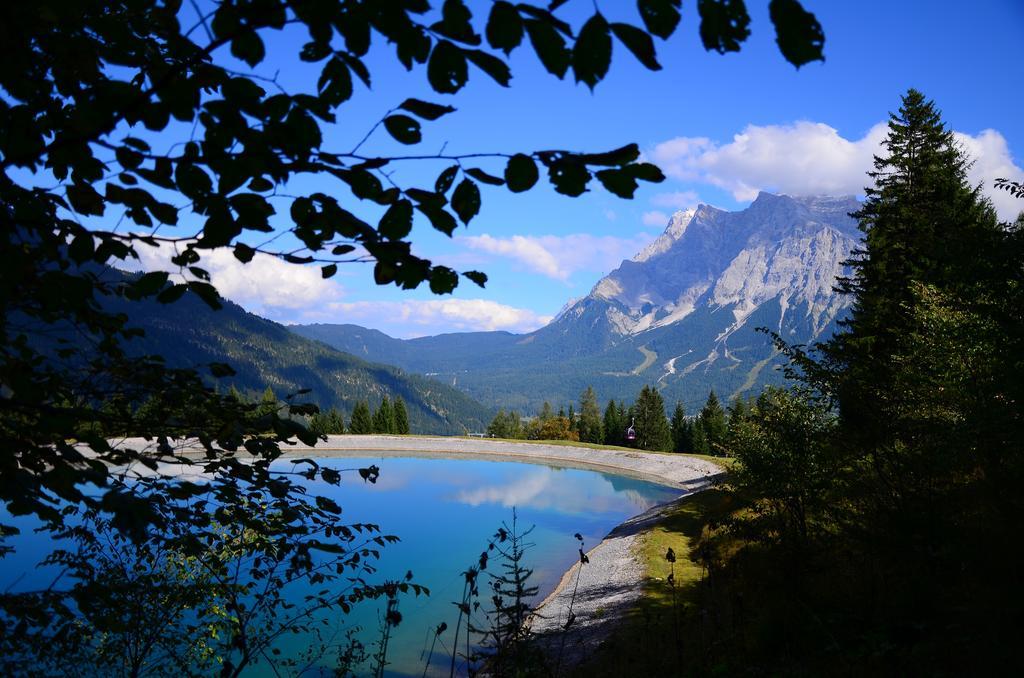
(742, 603)
(662, 634)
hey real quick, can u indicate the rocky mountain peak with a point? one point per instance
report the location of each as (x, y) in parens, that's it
(780, 248)
(676, 228)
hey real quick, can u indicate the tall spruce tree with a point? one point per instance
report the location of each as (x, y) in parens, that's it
(713, 425)
(929, 238)
(590, 426)
(362, 421)
(384, 417)
(401, 416)
(652, 427)
(682, 435)
(613, 426)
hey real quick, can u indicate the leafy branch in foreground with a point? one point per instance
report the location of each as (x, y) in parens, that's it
(151, 124)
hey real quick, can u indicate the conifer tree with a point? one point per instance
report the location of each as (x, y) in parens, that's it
(612, 425)
(681, 430)
(268, 403)
(335, 422)
(590, 427)
(712, 420)
(739, 411)
(652, 427)
(384, 417)
(401, 416)
(698, 439)
(362, 422)
(931, 244)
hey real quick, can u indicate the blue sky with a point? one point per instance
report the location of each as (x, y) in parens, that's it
(722, 127)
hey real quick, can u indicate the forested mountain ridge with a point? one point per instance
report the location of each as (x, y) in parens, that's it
(264, 353)
(681, 314)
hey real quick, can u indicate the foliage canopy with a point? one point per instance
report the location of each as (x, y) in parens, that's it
(127, 125)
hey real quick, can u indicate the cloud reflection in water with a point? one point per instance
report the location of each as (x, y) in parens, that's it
(548, 488)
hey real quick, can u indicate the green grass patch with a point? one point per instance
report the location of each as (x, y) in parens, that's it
(659, 636)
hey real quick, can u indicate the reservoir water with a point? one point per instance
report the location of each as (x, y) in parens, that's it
(445, 511)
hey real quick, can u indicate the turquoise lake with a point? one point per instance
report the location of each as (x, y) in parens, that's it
(445, 511)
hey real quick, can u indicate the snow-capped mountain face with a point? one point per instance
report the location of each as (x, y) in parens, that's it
(780, 249)
(681, 315)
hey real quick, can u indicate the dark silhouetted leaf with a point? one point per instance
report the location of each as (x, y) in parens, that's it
(85, 200)
(171, 294)
(521, 173)
(797, 32)
(477, 277)
(328, 505)
(620, 156)
(439, 218)
(456, 23)
(328, 271)
(248, 47)
(335, 83)
(443, 280)
(167, 214)
(150, 283)
(592, 53)
(425, 109)
(466, 200)
(446, 69)
(206, 292)
(82, 248)
(490, 64)
(660, 16)
(403, 128)
(260, 184)
(549, 46)
(645, 171)
(623, 181)
(569, 175)
(244, 253)
(504, 27)
(484, 177)
(617, 181)
(639, 43)
(445, 179)
(397, 221)
(364, 184)
(723, 24)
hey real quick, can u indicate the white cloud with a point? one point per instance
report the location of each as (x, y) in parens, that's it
(803, 158)
(810, 158)
(415, 318)
(678, 200)
(266, 285)
(558, 257)
(655, 218)
(293, 293)
(992, 160)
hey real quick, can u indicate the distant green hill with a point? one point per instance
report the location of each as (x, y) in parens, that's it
(264, 353)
